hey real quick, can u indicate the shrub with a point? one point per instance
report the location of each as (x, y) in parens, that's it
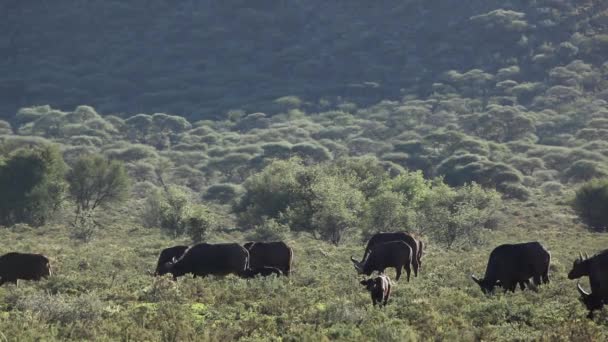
(223, 193)
(269, 230)
(457, 215)
(32, 185)
(96, 181)
(591, 204)
(584, 170)
(173, 211)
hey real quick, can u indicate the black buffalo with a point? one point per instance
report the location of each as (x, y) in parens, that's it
(591, 300)
(596, 268)
(415, 244)
(513, 264)
(211, 259)
(167, 257)
(26, 266)
(263, 271)
(379, 288)
(270, 254)
(397, 254)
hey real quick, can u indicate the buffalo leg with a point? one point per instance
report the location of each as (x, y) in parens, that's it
(408, 270)
(533, 287)
(546, 277)
(536, 280)
(415, 265)
(388, 294)
(522, 285)
(398, 269)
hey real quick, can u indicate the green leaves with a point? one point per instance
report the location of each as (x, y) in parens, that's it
(32, 185)
(591, 203)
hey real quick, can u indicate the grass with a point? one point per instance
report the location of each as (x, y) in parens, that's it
(102, 291)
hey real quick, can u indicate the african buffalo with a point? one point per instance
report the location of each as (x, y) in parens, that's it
(216, 259)
(379, 288)
(591, 300)
(513, 264)
(596, 268)
(168, 256)
(414, 243)
(272, 254)
(397, 254)
(263, 271)
(26, 266)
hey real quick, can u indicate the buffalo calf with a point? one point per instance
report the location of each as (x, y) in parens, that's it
(379, 288)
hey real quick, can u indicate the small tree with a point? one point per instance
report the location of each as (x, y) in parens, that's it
(591, 204)
(33, 186)
(173, 211)
(96, 181)
(457, 215)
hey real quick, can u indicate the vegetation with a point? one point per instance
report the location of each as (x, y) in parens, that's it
(470, 124)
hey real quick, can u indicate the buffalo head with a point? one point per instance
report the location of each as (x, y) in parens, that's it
(486, 286)
(591, 301)
(369, 284)
(579, 267)
(358, 265)
(165, 268)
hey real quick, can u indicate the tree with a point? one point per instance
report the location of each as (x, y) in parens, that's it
(96, 181)
(453, 216)
(174, 212)
(337, 207)
(33, 186)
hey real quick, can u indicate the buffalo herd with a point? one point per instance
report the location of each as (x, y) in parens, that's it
(510, 265)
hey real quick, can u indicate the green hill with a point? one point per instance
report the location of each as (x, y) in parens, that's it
(201, 59)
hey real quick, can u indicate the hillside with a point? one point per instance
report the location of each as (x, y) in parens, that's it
(469, 123)
(201, 59)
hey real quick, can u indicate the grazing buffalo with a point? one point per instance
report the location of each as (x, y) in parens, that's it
(591, 300)
(15, 266)
(272, 254)
(379, 288)
(167, 257)
(414, 243)
(596, 268)
(216, 259)
(397, 254)
(263, 271)
(513, 264)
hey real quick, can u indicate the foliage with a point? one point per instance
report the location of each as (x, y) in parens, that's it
(590, 203)
(32, 185)
(173, 211)
(457, 216)
(269, 230)
(97, 182)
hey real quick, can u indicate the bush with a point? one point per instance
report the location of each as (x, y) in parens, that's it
(32, 185)
(591, 204)
(269, 230)
(223, 193)
(453, 216)
(173, 211)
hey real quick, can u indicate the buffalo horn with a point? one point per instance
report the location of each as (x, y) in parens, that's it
(475, 278)
(580, 256)
(580, 290)
(586, 256)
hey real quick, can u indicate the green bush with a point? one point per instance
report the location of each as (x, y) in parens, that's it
(591, 204)
(269, 230)
(174, 212)
(32, 185)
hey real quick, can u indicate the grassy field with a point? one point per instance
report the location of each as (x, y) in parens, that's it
(102, 291)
